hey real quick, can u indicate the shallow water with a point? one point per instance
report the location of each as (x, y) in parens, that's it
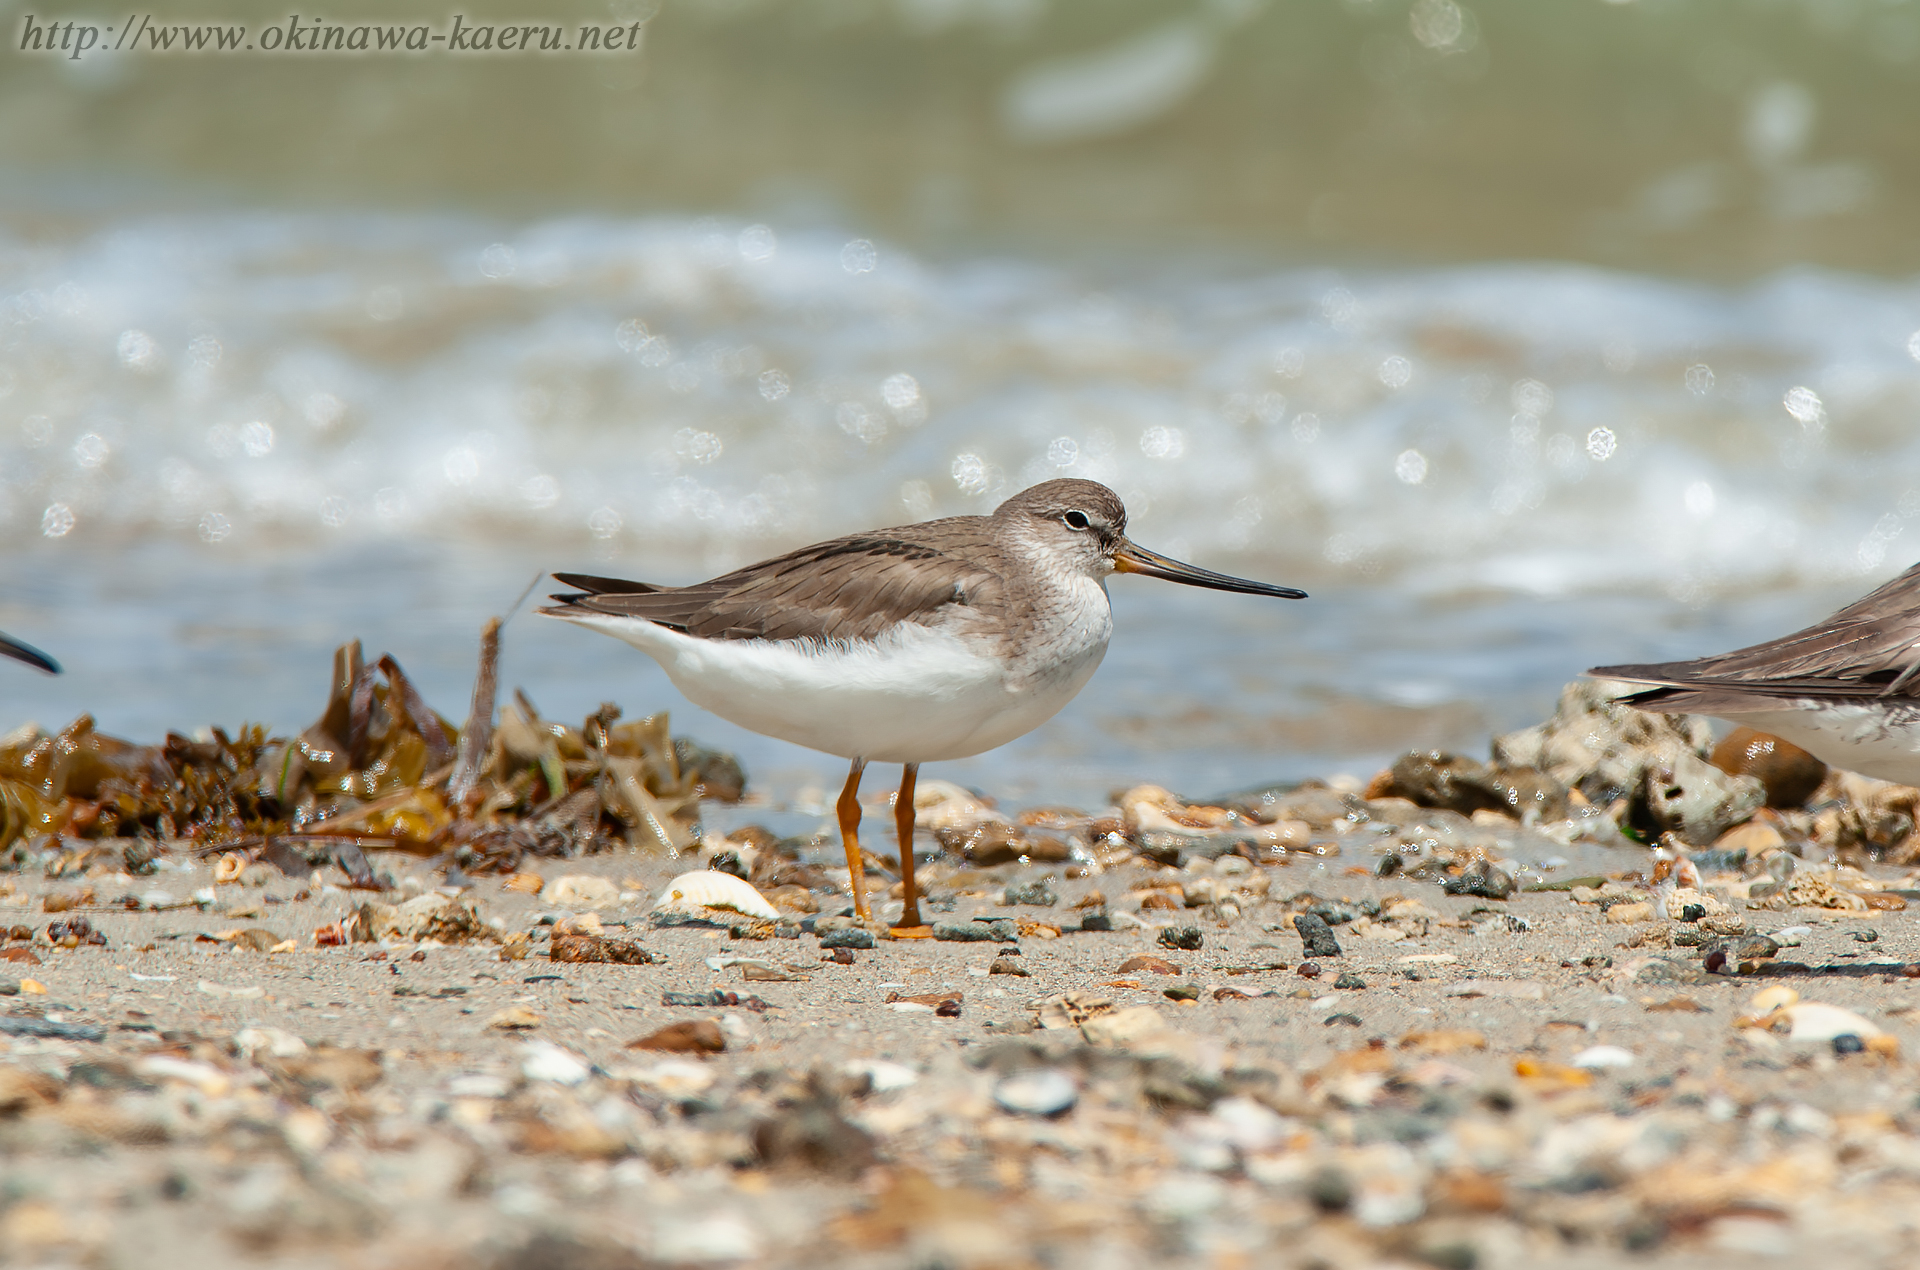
(229, 443)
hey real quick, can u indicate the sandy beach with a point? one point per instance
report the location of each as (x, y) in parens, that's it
(1540, 1042)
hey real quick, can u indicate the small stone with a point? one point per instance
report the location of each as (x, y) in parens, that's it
(513, 1018)
(848, 937)
(1848, 1043)
(1693, 912)
(1308, 970)
(841, 956)
(693, 1036)
(1482, 878)
(1350, 982)
(1343, 1020)
(1740, 956)
(1071, 1009)
(592, 949)
(1630, 913)
(1151, 964)
(1009, 966)
(1096, 922)
(1039, 893)
(256, 940)
(985, 843)
(1788, 773)
(1328, 1187)
(1682, 793)
(66, 901)
(965, 932)
(1123, 1027)
(1047, 1092)
(581, 890)
(1185, 938)
(1316, 936)
(1868, 936)
(1183, 992)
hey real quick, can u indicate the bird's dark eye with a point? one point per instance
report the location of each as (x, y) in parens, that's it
(1076, 520)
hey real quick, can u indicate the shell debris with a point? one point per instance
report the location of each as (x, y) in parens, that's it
(710, 888)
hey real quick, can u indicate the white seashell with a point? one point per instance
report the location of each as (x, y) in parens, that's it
(546, 1061)
(1818, 1021)
(710, 888)
(885, 1077)
(1603, 1056)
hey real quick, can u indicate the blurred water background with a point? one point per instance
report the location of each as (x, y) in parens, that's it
(1524, 336)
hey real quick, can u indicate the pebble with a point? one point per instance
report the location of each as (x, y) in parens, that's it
(848, 937)
(1038, 893)
(581, 890)
(1184, 938)
(1047, 1092)
(1788, 773)
(545, 1061)
(1483, 879)
(1316, 936)
(693, 1036)
(1350, 982)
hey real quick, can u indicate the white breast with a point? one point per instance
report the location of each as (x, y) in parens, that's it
(915, 695)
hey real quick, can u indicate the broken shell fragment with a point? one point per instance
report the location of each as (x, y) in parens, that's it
(709, 889)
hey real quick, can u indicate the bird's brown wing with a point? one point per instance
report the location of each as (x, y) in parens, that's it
(1866, 650)
(846, 589)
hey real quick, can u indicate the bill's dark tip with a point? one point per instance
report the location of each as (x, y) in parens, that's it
(27, 653)
(1133, 558)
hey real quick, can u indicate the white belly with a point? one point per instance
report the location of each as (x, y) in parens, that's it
(1871, 740)
(914, 696)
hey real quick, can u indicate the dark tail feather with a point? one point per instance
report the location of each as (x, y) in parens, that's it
(604, 586)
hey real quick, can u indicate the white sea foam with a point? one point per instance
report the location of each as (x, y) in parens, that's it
(1538, 428)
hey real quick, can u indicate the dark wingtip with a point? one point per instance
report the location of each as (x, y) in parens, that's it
(27, 653)
(592, 585)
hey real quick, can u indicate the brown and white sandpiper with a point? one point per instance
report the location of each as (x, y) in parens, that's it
(10, 647)
(1846, 690)
(933, 641)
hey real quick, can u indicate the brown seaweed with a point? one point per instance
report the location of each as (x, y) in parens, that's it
(379, 769)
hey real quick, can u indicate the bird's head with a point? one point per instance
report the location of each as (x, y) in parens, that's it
(1084, 525)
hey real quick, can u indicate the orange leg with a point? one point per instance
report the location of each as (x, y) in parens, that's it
(849, 809)
(903, 825)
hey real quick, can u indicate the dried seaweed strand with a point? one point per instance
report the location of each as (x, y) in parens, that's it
(476, 739)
